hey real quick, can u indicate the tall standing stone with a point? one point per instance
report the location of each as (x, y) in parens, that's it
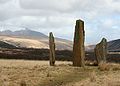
(101, 51)
(78, 46)
(52, 49)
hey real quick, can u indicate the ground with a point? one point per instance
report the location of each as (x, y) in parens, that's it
(39, 73)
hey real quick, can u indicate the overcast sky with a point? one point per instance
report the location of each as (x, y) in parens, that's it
(102, 17)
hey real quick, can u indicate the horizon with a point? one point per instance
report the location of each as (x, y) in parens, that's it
(54, 35)
(101, 17)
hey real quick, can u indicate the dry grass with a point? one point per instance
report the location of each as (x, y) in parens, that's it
(92, 76)
(104, 67)
(108, 67)
(23, 83)
(109, 76)
(39, 73)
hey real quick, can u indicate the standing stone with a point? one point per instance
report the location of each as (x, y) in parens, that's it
(78, 46)
(52, 49)
(101, 51)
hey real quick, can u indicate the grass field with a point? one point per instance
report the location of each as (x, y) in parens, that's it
(39, 73)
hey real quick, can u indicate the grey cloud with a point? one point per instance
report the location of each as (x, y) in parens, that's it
(42, 21)
(59, 15)
(4, 1)
(78, 8)
(52, 5)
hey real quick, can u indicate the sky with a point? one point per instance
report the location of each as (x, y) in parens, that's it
(101, 17)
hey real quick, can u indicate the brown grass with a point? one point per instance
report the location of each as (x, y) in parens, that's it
(92, 76)
(108, 67)
(104, 67)
(39, 73)
(23, 83)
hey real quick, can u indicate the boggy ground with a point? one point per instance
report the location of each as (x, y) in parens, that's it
(39, 73)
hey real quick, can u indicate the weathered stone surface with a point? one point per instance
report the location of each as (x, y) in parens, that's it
(52, 49)
(101, 51)
(78, 46)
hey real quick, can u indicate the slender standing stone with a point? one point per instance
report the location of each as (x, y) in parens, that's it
(78, 46)
(101, 51)
(52, 49)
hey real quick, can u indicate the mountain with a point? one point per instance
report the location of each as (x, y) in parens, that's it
(113, 45)
(32, 39)
(90, 48)
(27, 33)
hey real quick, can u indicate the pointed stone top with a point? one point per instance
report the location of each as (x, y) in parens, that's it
(51, 34)
(104, 40)
(79, 20)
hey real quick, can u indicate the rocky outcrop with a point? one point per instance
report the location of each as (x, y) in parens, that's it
(78, 46)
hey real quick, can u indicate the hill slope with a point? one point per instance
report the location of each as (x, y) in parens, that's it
(27, 33)
(6, 45)
(32, 39)
(113, 45)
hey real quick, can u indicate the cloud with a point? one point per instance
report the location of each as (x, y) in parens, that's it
(4, 1)
(101, 17)
(53, 5)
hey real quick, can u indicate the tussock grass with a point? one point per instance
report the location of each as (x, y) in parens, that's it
(108, 67)
(39, 73)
